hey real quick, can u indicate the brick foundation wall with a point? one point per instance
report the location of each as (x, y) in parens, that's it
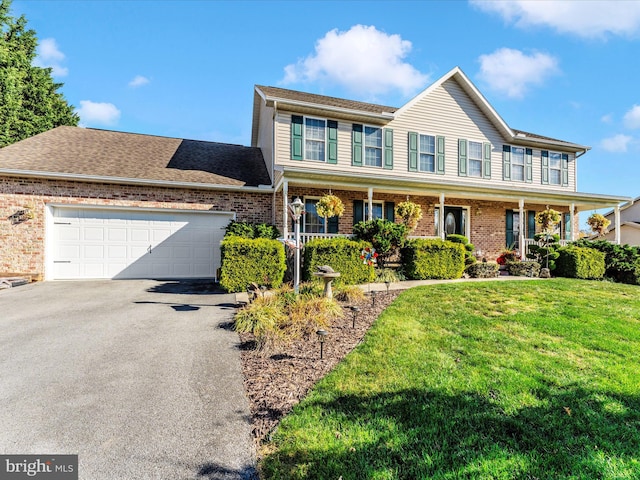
(22, 244)
(487, 224)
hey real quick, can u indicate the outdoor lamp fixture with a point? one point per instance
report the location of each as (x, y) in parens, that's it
(355, 311)
(296, 208)
(388, 284)
(321, 334)
(373, 298)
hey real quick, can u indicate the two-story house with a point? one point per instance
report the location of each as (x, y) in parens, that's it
(85, 203)
(447, 149)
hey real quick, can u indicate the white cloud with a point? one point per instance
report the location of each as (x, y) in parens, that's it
(50, 56)
(138, 81)
(583, 18)
(512, 72)
(608, 118)
(362, 59)
(98, 113)
(616, 144)
(632, 117)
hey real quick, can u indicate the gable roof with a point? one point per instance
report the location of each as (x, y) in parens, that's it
(309, 100)
(91, 154)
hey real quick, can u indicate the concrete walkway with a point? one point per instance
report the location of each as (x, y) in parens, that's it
(382, 287)
(141, 379)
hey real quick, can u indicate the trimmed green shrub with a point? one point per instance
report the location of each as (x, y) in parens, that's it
(433, 258)
(578, 262)
(523, 269)
(545, 251)
(622, 262)
(341, 254)
(468, 247)
(251, 230)
(483, 270)
(245, 260)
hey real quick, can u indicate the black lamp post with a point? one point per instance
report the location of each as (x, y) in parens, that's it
(373, 298)
(355, 311)
(296, 208)
(321, 335)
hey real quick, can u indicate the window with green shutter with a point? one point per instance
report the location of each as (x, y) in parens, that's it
(506, 162)
(413, 151)
(332, 141)
(462, 157)
(356, 145)
(388, 148)
(296, 137)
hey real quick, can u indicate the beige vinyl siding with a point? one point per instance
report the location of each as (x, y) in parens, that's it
(265, 137)
(448, 112)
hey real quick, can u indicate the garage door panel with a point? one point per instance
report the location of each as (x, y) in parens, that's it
(114, 243)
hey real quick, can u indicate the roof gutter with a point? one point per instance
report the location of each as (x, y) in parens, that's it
(345, 111)
(133, 181)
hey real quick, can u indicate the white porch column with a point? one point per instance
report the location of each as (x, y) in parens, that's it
(616, 211)
(441, 219)
(285, 209)
(521, 229)
(572, 214)
(370, 199)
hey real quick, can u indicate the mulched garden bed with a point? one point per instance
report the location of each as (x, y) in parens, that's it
(275, 383)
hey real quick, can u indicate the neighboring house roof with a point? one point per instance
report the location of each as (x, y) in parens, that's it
(308, 100)
(90, 154)
(622, 207)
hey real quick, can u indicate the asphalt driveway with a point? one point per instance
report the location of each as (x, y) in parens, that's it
(142, 379)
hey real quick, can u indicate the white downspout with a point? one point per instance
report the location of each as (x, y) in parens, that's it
(285, 209)
(370, 198)
(617, 219)
(572, 215)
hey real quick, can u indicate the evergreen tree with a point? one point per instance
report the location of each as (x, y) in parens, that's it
(30, 101)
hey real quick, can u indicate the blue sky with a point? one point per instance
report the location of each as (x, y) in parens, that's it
(568, 70)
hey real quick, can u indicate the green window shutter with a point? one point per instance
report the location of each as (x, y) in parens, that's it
(332, 141)
(413, 152)
(462, 157)
(296, 137)
(531, 224)
(389, 211)
(388, 148)
(332, 224)
(486, 163)
(506, 162)
(358, 211)
(544, 155)
(510, 240)
(528, 165)
(565, 169)
(440, 155)
(356, 145)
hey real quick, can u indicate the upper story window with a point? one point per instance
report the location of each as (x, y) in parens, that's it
(372, 146)
(314, 139)
(427, 161)
(555, 168)
(475, 159)
(517, 164)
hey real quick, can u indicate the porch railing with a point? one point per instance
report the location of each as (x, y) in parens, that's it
(531, 241)
(305, 237)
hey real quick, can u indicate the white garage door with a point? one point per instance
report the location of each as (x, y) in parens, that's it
(108, 243)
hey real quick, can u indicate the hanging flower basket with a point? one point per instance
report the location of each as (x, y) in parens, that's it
(330, 206)
(548, 219)
(410, 213)
(598, 223)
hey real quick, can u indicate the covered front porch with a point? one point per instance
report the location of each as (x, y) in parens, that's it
(493, 218)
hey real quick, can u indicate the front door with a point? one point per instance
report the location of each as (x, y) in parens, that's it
(454, 221)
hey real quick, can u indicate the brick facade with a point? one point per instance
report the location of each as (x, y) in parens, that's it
(487, 223)
(22, 244)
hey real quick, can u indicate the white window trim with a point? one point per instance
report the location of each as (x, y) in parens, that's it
(364, 146)
(524, 164)
(304, 138)
(435, 152)
(481, 159)
(559, 169)
(303, 223)
(365, 212)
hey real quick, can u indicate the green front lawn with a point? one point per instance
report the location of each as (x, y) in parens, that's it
(495, 380)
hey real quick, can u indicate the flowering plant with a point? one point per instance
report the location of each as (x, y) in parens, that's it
(330, 206)
(548, 219)
(598, 223)
(507, 256)
(369, 256)
(410, 213)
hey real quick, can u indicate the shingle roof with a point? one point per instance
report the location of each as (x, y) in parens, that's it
(103, 153)
(313, 98)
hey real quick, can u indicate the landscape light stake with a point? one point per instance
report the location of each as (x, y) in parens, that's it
(373, 298)
(355, 311)
(321, 334)
(388, 284)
